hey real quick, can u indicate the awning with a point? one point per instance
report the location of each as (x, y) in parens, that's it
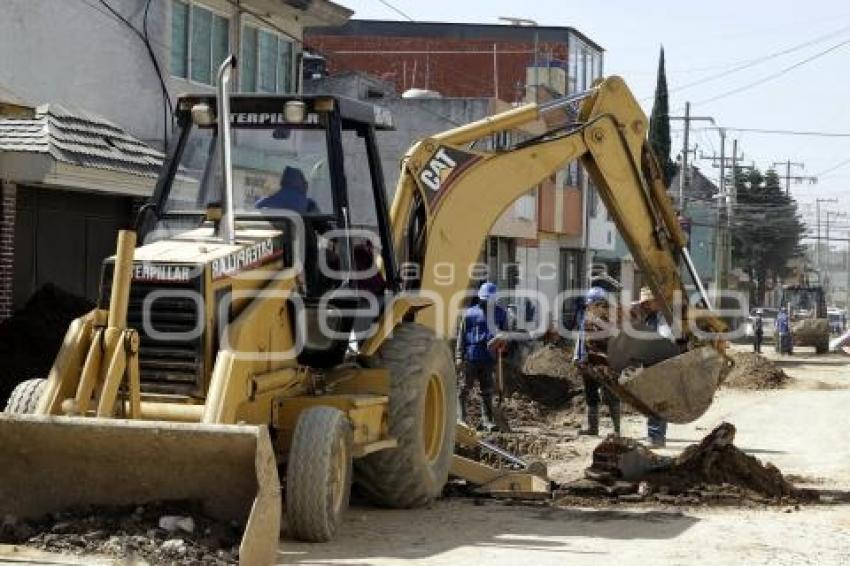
(77, 150)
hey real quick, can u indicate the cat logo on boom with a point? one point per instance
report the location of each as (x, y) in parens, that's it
(445, 163)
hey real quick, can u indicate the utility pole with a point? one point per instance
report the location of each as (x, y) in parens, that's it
(817, 217)
(836, 214)
(788, 164)
(847, 269)
(686, 150)
(725, 208)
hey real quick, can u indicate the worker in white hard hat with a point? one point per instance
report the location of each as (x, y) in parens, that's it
(473, 356)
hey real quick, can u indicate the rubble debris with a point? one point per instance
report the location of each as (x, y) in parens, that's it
(754, 371)
(713, 471)
(624, 458)
(30, 339)
(550, 360)
(545, 374)
(131, 533)
(173, 523)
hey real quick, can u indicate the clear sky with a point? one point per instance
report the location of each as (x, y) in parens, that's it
(702, 40)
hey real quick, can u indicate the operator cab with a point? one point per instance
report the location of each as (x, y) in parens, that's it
(307, 166)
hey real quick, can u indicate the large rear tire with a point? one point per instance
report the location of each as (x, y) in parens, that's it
(25, 396)
(318, 475)
(422, 416)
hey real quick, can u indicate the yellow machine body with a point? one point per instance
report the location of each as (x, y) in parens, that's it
(99, 435)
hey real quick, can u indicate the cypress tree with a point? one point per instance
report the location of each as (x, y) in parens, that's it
(659, 123)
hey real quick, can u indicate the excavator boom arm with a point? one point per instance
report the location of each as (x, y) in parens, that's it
(449, 195)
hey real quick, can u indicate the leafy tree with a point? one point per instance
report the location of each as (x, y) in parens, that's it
(659, 123)
(766, 228)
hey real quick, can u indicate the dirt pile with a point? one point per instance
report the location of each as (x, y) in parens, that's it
(714, 471)
(30, 339)
(753, 371)
(717, 461)
(548, 360)
(546, 375)
(158, 534)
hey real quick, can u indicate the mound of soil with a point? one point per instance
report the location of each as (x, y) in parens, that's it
(30, 339)
(550, 360)
(130, 533)
(754, 371)
(546, 375)
(714, 471)
(717, 461)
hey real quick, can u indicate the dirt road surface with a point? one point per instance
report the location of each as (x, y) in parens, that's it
(804, 429)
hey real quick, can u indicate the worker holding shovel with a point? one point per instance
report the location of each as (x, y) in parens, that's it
(474, 355)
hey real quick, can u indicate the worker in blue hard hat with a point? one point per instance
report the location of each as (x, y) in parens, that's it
(479, 324)
(591, 356)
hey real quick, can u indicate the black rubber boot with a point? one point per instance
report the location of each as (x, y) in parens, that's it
(614, 409)
(487, 413)
(591, 421)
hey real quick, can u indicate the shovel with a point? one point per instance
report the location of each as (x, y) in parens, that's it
(499, 410)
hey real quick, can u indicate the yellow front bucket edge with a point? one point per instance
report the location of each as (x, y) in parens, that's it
(48, 464)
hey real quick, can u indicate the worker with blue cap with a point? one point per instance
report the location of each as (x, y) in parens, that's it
(479, 325)
(591, 357)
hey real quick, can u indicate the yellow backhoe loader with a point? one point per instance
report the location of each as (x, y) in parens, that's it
(257, 329)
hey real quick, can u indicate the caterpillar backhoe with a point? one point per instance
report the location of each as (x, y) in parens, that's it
(259, 330)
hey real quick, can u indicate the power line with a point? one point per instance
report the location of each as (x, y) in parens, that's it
(777, 74)
(168, 109)
(833, 168)
(809, 133)
(396, 10)
(762, 59)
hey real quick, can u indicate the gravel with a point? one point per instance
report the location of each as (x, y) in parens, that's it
(131, 533)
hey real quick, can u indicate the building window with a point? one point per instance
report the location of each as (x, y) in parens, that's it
(525, 207)
(200, 41)
(266, 61)
(573, 176)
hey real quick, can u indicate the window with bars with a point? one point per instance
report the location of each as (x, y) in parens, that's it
(266, 61)
(200, 41)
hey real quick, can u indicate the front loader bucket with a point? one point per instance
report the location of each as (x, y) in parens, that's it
(48, 464)
(679, 389)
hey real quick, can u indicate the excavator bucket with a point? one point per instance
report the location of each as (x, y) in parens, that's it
(659, 381)
(48, 464)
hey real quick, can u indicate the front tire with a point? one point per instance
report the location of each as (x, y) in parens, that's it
(25, 396)
(422, 416)
(318, 475)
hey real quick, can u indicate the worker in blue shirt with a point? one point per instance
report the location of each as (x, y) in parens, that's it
(783, 330)
(479, 324)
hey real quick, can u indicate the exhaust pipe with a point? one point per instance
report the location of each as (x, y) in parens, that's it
(225, 75)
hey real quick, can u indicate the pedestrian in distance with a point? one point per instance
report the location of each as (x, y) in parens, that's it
(479, 324)
(758, 332)
(783, 331)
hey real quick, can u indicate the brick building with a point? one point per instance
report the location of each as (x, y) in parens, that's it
(462, 60)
